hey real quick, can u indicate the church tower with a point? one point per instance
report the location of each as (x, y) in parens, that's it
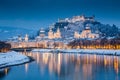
(19, 38)
(50, 34)
(58, 34)
(26, 38)
(42, 33)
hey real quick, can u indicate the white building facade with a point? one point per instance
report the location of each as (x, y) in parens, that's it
(52, 35)
(86, 33)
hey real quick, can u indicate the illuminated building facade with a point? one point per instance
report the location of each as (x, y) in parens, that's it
(77, 18)
(52, 35)
(86, 33)
(42, 33)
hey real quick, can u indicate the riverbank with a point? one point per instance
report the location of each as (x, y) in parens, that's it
(13, 58)
(90, 51)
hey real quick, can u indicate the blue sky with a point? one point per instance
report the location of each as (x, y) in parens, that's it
(41, 13)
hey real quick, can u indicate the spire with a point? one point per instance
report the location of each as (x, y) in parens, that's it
(26, 37)
(58, 30)
(42, 30)
(19, 38)
(58, 33)
(42, 33)
(50, 34)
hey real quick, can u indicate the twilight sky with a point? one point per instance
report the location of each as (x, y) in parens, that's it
(41, 13)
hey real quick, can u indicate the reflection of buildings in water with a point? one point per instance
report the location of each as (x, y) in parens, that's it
(59, 63)
(87, 59)
(72, 64)
(95, 58)
(72, 57)
(116, 63)
(4, 72)
(78, 59)
(45, 58)
(26, 67)
(108, 60)
(38, 58)
(77, 67)
(87, 70)
(105, 60)
(66, 57)
(50, 66)
(112, 61)
(51, 63)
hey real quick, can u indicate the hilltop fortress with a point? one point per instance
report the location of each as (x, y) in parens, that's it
(77, 18)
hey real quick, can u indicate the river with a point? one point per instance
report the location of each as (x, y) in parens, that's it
(65, 66)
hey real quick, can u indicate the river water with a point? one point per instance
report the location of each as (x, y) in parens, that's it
(65, 66)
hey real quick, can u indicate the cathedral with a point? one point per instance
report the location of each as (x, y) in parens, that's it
(52, 35)
(26, 38)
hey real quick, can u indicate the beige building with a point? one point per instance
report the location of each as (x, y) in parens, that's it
(86, 33)
(78, 18)
(52, 35)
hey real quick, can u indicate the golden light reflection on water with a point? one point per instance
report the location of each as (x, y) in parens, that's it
(95, 58)
(74, 64)
(105, 60)
(116, 64)
(6, 71)
(26, 67)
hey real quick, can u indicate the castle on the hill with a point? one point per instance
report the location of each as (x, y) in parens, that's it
(77, 18)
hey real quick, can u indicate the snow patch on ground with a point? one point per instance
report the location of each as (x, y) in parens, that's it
(97, 51)
(12, 58)
(41, 50)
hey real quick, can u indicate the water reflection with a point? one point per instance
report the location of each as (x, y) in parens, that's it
(26, 67)
(78, 66)
(4, 72)
(65, 66)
